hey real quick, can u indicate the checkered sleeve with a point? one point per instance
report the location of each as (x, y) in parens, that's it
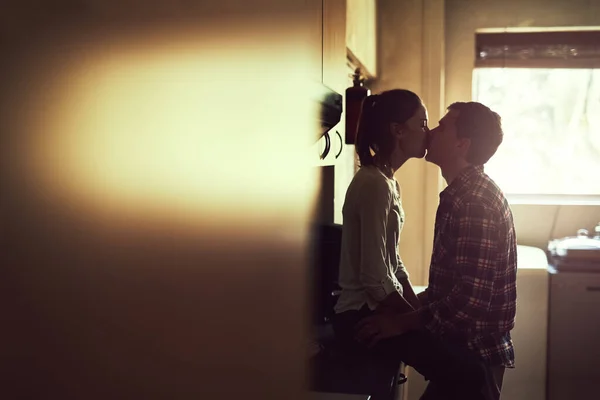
(474, 246)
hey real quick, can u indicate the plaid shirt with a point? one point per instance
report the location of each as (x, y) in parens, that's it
(471, 297)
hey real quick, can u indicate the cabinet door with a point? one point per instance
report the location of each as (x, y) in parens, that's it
(334, 68)
(334, 44)
(316, 40)
(336, 146)
(574, 330)
(361, 33)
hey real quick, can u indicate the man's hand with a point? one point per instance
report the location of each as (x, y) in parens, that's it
(383, 309)
(396, 302)
(385, 325)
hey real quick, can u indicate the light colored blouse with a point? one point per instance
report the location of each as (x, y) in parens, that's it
(370, 263)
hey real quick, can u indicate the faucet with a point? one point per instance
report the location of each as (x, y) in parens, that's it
(597, 230)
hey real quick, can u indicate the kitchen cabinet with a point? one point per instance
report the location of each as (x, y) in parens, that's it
(316, 40)
(573, 331)
(334, 44)
(334, 150)
(361, 35)
(333, 74)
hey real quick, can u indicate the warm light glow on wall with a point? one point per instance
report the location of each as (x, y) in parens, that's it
(156, 193)
(180, 129)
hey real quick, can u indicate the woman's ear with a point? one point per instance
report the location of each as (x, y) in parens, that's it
(396, 128)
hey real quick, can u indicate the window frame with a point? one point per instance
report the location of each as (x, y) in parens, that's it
(576, 37)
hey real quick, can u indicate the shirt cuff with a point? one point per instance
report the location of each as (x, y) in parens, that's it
(384, 289)
(402, 274)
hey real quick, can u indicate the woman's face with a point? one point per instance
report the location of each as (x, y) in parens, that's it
(412, 135)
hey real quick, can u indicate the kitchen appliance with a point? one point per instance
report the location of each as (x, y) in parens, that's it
(329, 110)
(579, 253)
(330, 107)
(573, 367)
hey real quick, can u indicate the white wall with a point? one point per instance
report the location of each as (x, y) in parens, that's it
(410, 56)
(535, 224)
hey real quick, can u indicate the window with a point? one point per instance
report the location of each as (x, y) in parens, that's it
(548, 95)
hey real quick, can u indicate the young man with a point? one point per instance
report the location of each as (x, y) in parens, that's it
(459, 338)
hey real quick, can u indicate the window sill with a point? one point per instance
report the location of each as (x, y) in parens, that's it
(554, 199)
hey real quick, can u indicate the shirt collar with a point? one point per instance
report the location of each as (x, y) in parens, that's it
(462, 180)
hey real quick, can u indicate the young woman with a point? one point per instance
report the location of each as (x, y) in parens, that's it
(392, 129)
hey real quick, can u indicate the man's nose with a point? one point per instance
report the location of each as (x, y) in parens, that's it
(434, 131)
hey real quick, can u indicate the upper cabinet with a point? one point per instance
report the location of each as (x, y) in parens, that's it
(328, 42)
(361, 34)
(334, 44)
(333, 72)
(316, 40)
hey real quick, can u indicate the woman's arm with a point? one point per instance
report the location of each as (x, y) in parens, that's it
(409, 293)
(407, 290)
(375, 272)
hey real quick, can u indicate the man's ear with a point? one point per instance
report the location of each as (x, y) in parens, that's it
(464, 144)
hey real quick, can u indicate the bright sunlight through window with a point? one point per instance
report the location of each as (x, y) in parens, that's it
(551, 120)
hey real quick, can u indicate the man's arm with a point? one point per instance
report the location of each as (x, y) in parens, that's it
(423, 299)
(475, 246)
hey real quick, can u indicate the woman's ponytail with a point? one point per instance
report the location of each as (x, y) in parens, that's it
(366, 128)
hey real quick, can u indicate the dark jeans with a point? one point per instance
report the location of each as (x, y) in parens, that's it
(453, 371)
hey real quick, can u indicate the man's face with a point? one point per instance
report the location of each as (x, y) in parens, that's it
(444, 145)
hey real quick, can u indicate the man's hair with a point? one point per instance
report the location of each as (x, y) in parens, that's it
(482, 126)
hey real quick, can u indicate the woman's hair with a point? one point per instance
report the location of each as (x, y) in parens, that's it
(378, 111)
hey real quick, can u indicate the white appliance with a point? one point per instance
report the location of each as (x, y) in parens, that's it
(527, 381)
(574, 320)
